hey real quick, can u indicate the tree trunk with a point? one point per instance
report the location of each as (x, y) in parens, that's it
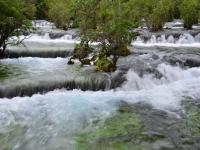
(3, 46)
(115, 59)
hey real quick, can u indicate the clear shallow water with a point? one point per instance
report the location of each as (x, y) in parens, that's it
(50, 121)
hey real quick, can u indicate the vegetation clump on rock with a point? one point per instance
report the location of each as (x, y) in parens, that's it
(105, 65)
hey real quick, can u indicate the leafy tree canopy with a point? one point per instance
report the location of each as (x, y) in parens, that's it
(14, 19)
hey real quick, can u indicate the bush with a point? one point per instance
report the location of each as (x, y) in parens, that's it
(105, 65)
(122, 50)
(189, 10)
(81, 51)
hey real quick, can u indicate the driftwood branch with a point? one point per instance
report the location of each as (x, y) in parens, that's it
(18, 42)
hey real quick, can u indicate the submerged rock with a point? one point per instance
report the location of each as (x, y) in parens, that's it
(70, 62)
(139, 127)
(116, 132)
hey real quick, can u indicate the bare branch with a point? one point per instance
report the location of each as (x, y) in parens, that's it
(18, 42)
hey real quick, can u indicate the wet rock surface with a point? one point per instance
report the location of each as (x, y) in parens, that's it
(144, 128)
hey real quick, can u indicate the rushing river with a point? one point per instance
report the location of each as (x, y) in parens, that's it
(52, 119)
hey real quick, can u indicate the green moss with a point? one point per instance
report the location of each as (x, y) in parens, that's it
(116, 133)
(5, 72)
(10, 138)
(103, 64)
(188, 141)
(193, 114)
(125, 130)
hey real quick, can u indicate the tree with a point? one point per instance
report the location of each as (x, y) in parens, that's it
(162, 13)
(176, 9)
(189, 10)
(60, 12)
(14, 19)
(107, 22)
(41, 9)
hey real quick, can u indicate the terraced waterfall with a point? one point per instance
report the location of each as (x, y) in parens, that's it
(152, 102)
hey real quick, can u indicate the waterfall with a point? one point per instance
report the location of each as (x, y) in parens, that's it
(185, 39)
(27, 76)
(46, 104)
(51, 120)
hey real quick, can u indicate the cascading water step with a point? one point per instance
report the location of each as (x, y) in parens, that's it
(44, 45)
(27, 76)
(168, 38)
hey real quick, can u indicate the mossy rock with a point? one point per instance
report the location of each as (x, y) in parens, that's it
(116, 133)
(105, 65)
(193, 115)
(125, 130)
(70, 62)
(11, 136)
(5, 72)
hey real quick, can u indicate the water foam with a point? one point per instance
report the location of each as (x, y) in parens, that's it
(49, 121)
(185, 40)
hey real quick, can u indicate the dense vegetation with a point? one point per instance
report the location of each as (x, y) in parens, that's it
(14, 19)
(153, 12)
(108, 22)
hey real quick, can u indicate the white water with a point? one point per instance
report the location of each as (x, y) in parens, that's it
(185, 40)
(30, 72)
(47, 122)
(43, 25)
(36, 42)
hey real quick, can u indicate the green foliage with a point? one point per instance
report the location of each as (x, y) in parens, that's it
(111, 16)
(14, 18)
(4, 72)
(189, 10)
(103, 64)
(105, 22)
(153, 12)
(110, 23)
(161, 14)
(121, 50)
(60, 12)
(82, 50)
(41, 9)
(176, 9)
(108, 136)
(193, 113)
